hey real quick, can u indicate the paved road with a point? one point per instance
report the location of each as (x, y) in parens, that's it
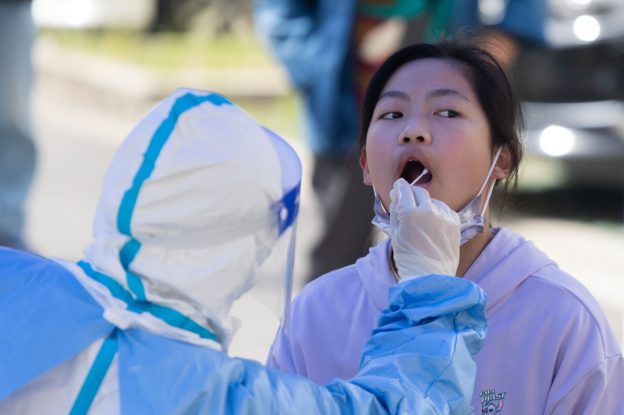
(78, 132)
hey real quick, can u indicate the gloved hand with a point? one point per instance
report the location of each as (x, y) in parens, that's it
(425, 233)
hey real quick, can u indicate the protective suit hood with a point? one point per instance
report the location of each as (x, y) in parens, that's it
(180, 222)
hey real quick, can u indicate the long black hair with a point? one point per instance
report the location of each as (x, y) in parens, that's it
(486, 76)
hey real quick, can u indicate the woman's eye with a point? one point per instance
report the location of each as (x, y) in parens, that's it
(448, 113)
(392, 115)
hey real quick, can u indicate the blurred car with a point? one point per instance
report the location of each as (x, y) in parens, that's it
(573, 89)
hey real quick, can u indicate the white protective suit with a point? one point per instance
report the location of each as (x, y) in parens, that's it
(192, 205)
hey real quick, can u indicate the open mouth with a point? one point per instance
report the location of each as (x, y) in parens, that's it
(412, 170)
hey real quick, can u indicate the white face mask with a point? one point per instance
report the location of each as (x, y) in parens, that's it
(472, 220)
(382, 218)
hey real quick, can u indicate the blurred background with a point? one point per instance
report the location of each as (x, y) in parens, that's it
(99, 65)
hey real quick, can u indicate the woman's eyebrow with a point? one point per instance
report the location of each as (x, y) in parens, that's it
(436, 93)
(394, 94)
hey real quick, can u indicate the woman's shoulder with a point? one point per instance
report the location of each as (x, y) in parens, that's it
(367, 280)
(336, 286)
(519, 276)
(572, 303)
(587, 354)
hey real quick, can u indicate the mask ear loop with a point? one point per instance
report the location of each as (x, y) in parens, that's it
(383, 209)
(491, 190)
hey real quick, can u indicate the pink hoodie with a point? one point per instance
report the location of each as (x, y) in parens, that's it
(548, 350)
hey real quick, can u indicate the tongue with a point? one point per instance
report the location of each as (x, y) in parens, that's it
(426, 178)
(425, 174)
(412, 170)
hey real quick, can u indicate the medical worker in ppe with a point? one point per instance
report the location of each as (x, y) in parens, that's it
(197, 203)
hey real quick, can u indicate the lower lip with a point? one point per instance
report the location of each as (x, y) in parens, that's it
(423, 185)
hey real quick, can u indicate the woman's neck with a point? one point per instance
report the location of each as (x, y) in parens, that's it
(472, 249)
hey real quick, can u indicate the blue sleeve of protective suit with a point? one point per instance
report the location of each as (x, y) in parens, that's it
(46, 317)
(425, 344)
(420, 360)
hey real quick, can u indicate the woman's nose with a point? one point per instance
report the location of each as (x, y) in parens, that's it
(415, 133)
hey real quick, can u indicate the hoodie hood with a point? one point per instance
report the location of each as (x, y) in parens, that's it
(192, 203)
(505, 263)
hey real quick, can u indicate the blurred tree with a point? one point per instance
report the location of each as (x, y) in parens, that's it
(174, 15)
(178, 15)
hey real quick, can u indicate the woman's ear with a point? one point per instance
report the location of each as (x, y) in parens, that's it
(364, 165)
(503, 164)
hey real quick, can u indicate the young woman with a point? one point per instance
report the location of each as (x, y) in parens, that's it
(445, 118)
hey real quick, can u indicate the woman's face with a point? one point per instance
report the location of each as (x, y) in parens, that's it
(428, 116)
